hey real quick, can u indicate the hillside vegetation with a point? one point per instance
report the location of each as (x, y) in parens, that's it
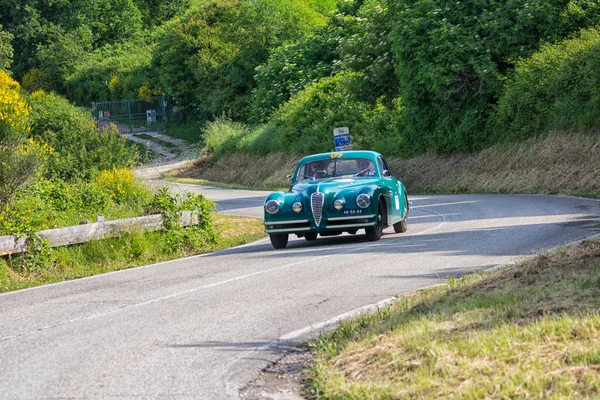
(407, 76)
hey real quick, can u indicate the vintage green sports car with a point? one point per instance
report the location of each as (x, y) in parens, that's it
(332, 193)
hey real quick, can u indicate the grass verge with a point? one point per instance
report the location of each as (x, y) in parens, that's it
(130, 250)
(190, 132)
(531, 330)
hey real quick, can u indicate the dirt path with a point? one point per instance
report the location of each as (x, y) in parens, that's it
(176, 154)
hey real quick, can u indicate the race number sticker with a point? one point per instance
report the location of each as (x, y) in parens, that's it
(397, 202)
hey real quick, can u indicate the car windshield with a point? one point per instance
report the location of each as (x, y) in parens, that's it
(335, 168)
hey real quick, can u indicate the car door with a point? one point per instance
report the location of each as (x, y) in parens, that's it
(394, 191)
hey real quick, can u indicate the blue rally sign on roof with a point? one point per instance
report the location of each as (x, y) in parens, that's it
(341, 139)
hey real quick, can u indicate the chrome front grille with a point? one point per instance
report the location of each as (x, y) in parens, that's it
(316, 203)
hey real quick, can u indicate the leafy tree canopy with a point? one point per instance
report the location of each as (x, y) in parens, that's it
(207, 60)
(452, 57)
(6, 50)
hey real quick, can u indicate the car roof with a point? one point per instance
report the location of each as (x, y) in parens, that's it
(344, 154)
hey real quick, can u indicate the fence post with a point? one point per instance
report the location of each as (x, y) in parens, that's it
(163, 103)
(129, 114)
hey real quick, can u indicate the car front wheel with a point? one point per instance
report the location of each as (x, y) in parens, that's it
(310, 236)
(279, 241)
(375, 232)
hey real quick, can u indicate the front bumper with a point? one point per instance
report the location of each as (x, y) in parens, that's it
(328, 224)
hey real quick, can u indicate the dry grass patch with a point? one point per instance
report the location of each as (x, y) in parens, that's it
(559, 162)
(556, 163)
(528, 331)
(239, 229)
(243, 169)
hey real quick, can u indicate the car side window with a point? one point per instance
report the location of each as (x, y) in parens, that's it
(383, 165)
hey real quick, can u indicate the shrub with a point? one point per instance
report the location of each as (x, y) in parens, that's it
(80, 151)
(19, 159)
(125, 67)
(452, 57)
(222, 136)
(308, 119)
(52, 204)
(177, 237)
(121, 185)
(207, 60)
(558, 87)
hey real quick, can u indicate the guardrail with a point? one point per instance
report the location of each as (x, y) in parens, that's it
(12, 244)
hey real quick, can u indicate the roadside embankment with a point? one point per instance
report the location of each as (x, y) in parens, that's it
(559, 162)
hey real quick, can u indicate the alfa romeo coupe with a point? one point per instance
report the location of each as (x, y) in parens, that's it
(332, 193)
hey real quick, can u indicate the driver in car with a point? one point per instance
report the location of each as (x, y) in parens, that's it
(364, 167)
(318, 170)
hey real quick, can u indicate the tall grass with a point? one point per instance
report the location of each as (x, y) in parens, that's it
(528, 331)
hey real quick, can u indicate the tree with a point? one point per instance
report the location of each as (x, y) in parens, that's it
(453, 56)
(6, 50)
(207, 60)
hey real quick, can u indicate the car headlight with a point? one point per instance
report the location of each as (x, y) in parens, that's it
(272, 206)
(297, 207)
(363, 200)
(338, 204)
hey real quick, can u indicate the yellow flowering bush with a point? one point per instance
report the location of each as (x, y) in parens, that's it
(14, 110)
(145, 92)
(121, 184)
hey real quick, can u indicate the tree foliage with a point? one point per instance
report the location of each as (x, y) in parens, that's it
(206, 61)
(6, 50)
(112, 73)
(558, 87)
(356, 38)
(453, 56)
(308, 119)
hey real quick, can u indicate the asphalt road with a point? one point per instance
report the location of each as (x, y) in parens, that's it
(204, 326)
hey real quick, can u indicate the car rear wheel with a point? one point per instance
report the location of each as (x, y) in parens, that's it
(279, 241)
(310, 236)
(375, 232)
(402, 226)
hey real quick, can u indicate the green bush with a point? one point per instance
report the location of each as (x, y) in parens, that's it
(291, 67)
(79, 150)
(177, 237)
(356, 38)
(308, 119)
(556, 88)
(222, 136)
(261, 140)
(113, 73)
(452, 57)
(52, 204)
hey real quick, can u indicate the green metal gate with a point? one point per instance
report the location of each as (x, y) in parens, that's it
(132, 115)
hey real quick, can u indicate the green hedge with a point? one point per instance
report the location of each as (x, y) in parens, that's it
(557, 88)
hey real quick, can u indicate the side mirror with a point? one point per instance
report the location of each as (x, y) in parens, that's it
(386, 173)
(289, 176)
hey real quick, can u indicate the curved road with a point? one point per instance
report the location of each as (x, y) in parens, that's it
(204, 326)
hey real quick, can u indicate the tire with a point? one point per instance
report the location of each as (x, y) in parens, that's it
(310, 236)
(279, 241)
(374, 233)
(402, 226)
